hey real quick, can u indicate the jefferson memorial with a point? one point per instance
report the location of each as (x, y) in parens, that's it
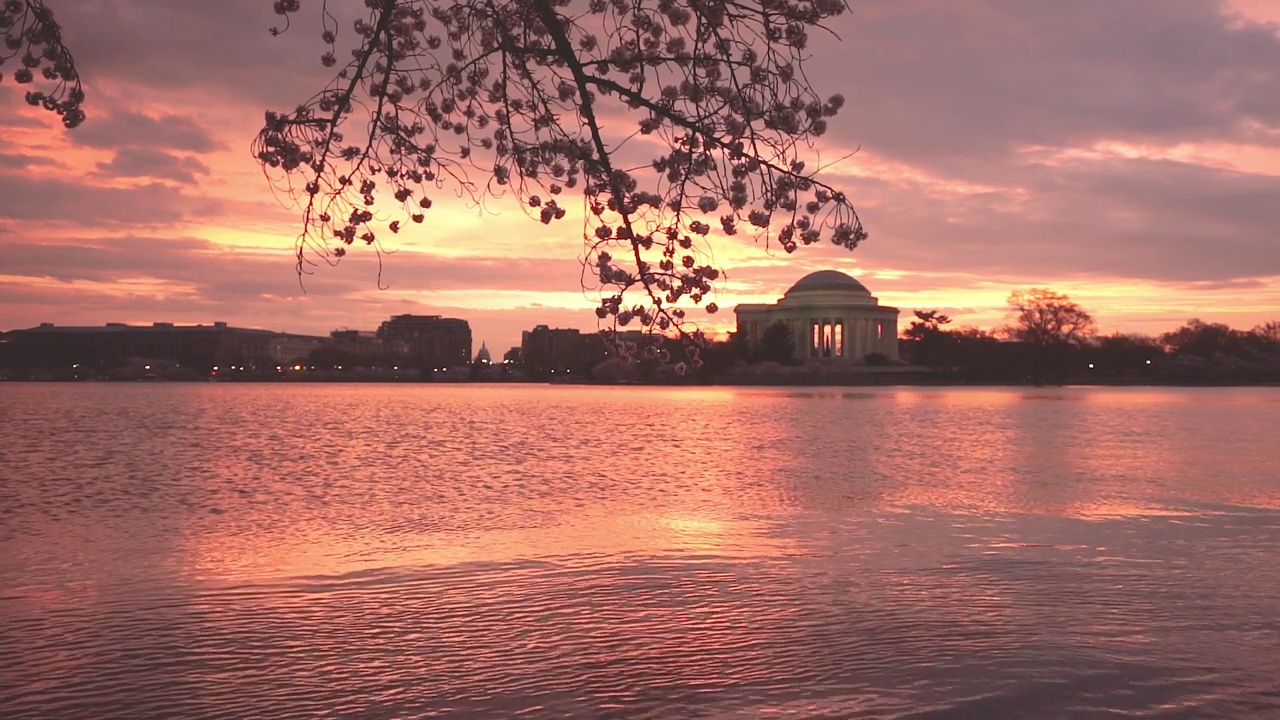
(832, 317)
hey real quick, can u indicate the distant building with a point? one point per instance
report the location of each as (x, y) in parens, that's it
(365, 345)
(832, 317)
(483, 357)
(432, 341)
(512, 355)
(192, 345)
(545, 349)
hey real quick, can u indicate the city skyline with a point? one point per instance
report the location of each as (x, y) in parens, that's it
(1042, 160)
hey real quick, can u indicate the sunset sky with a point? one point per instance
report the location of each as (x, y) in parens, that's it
(1126, 152)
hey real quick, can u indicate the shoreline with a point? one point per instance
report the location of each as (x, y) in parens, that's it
(896, 382)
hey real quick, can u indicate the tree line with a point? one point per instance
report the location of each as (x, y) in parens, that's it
(1052, 339)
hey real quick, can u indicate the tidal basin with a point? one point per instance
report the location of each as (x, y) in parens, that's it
(370, 551)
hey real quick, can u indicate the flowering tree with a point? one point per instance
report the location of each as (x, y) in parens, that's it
(672, 121)
(31, 33)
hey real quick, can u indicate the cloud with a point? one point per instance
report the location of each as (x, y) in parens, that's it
(13, 101)
(229, 273)
(157, 164)
(20, 161)
(125, 128)
(62, 201)
(1134, 218)
(940, 84)
(222, 49)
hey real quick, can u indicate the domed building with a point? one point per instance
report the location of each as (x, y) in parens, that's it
(483, 357)
(832, 317)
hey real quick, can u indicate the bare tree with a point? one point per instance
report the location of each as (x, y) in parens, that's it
(1044, 317)
(671, 121)
(1269, 331)
(1050, 322)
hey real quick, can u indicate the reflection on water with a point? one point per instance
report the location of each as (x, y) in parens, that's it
(389, 552)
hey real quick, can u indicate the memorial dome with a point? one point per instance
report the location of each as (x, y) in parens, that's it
(827, 280)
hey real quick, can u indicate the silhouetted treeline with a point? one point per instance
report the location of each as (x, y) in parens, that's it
(1196, 353)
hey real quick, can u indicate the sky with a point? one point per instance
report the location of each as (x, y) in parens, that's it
(1125, 152)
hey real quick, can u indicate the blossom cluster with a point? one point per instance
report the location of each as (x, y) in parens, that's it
(33, 38)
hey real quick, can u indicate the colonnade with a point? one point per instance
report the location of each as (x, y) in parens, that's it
(839, 337)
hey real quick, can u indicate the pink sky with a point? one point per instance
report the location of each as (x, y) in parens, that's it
(1125, 152)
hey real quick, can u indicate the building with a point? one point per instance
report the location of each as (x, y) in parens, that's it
(544, 348)
(432, 341)
(832, 318)
(191, 345)
(483, 357)
(366, 346)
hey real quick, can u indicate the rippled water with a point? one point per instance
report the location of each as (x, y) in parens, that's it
(465, 551)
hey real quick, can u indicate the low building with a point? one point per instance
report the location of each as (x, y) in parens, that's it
(191, 345)
(832, 318)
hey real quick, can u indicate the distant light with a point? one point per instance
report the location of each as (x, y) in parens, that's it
(297, 367)
(396, 367)
(1091, 365)
(278, 367)
(215, 368)
(338, 366)
(1148, 362)
(78, 365)
(146, 367)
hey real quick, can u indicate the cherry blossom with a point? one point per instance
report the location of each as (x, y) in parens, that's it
(671, 121)
(34, 39)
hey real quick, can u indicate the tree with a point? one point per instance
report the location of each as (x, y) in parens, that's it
(674, 120)
(927, 340)
(927, 322)
(776, 344)
(1125, 356)
(1268, 332)
(1050, 323)
(1203, 339)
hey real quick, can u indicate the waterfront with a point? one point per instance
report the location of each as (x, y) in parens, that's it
(202, 550)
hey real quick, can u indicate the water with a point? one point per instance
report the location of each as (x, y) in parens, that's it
(358, 551)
